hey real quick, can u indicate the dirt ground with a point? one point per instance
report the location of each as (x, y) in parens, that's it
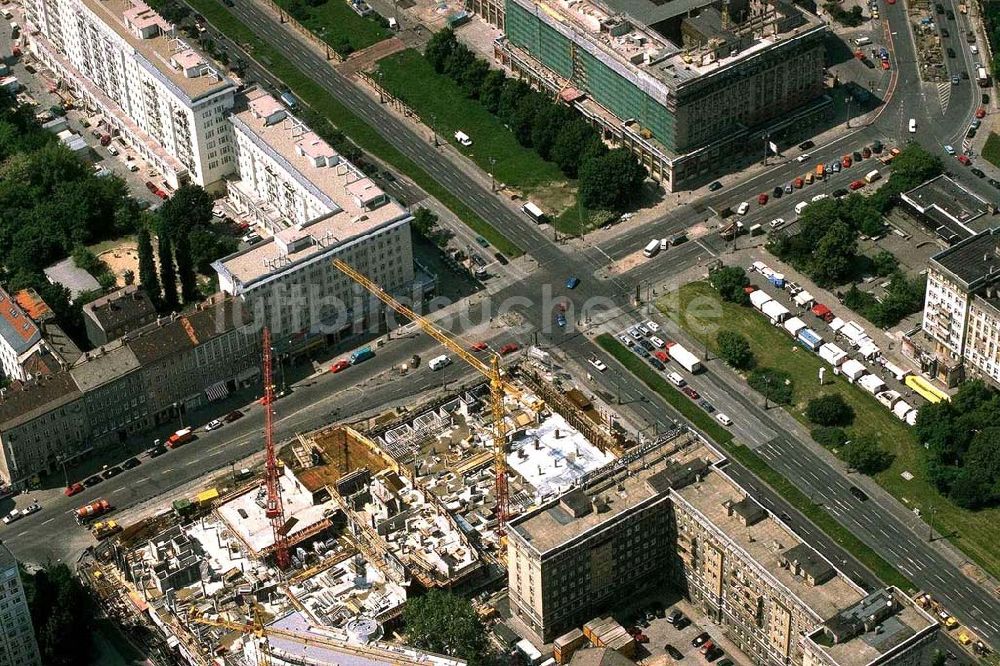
(120, 259)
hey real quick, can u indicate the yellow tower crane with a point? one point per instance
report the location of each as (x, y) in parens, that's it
(498, 387)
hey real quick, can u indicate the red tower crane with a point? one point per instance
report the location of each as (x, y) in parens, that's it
(275, 511)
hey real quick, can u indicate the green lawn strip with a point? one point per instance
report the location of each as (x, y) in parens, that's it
(579, 220)
(312, 94)
(753, 462)
(663, 388)
(991, 150)
(968, 530)
(336, 23)
(441, 103)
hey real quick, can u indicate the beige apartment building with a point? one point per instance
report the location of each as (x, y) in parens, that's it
(673, 517)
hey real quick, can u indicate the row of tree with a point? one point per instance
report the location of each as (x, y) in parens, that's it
(608, 179)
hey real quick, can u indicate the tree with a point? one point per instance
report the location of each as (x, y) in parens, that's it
(729, 281)
(185, 269)
(774, 385)
(829, 437)
(829, 409)
(128, 277)
(471, 79)
(885, 263)
(510, 97)
(576, 141)
(610, 181)
(148, 280)
(490, 90)
(190, 206)
(168, 276)
(548, 123)
(834, 254)
(447, 624)
(939, 659)
(522, 121)
(62, 613)
(439, 48)
(865, 455)
(735, 349)
(424, 221)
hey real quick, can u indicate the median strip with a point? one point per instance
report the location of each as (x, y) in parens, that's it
(310, 93)
(755, 463)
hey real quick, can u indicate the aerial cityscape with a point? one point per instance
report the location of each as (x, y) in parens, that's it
(499, 332)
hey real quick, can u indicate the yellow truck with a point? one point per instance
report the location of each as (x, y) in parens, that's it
(105, 529)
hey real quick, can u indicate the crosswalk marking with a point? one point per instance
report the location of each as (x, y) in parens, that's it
(944, 95)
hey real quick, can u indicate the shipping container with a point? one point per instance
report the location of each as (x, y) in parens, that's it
(872, 383)
(794, 325)
(809, 339)
(853, 370)
(804, 299)
(775, 311)
(758, 298)
(896, 371)
(777, 279)
(832, 354)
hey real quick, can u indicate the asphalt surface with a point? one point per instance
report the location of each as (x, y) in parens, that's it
(874, 522)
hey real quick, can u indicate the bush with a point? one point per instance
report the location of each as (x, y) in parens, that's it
(829, 437)
(729, 282)
(829, 410)
(774, 385)
(735, 350)
(865, 455)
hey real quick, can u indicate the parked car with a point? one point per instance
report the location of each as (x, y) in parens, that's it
(598, 363)
(572, 282)
(690, 392)
(964, 160)
(131, 463)
(111, 472)
(714, 186)
(978, 173)
(806, 145)
(706, 405)
(340, 365)
(509, 348)
(234, 415)
(92, 481)
(700, 639)
(673, 652)
(73, 489)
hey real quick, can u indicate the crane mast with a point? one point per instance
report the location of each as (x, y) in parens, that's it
(275, 510)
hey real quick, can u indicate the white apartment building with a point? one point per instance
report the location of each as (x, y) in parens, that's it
(313, 205)
(962, 308)
(144, 83)
(19, 338)
(17, 637)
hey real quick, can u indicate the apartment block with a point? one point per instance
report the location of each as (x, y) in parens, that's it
(686, 86)
(17, 637)
(113, 315)
(962, 310)
(315, 206)
(31, 343)
(672, 516)
(144, 83)
(143, 379)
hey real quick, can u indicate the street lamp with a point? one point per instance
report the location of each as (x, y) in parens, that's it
(767, 390)
(180, 414)
(381, 95)
(764, 137)
(493, 185)
(433, 128)
(847, 101)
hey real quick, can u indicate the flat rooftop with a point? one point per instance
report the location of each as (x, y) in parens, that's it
(552, 456)
(161, 48)
(948, 204)
(551, 525)
(765, 542)
(245, 514)
(974, 261)
(351, 197)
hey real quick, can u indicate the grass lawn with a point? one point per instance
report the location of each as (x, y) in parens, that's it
(441, 103)
(991, 151)
(972, 532)
(336, 23)
(357, 129)
(753, 462)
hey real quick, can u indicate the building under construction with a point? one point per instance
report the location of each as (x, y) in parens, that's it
(687, 85)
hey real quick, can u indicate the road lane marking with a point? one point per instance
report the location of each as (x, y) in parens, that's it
(48, 521)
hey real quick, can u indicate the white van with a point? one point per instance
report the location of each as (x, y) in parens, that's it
(800, 206)
(463, 138)
(676, 379)
(439, 362)
(862, 41)
(913, 125)
(652, 248)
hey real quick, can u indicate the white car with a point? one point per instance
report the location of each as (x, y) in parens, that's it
(599, 364)
(802, 158)
(820, 197)
(657, 341)
(949, 150)
(634, 332)
(214, 424)
(652, 325)
(723, 419)
(627, 341)
(777, 222)
(12, 516)
(133, 167)
(743, 208)
(973, 49)
(676, 379)
(113, 151)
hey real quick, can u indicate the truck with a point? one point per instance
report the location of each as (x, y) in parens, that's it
(180, 438)
(105, 529)
(687, 360)
(982, 77)
(361, 355)
(88, 512)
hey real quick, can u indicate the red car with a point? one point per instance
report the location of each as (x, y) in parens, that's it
(151, 186)
(342, 364)
(857, 185)
(160, 193)
(846, 161)
(980, 112)
(509, 348)
(690, 392)
(749, 289)
(73, 489)
(964, 160)
(662, 355)
(798, 182)
(479, 346)
(885, 64)
(762, 198)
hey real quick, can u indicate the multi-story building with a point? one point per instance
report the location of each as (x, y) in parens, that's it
(314, 206)
(145, 83)
(121, 311)
(143, 379)
(19, 338)
(17, 637)
(672, 516)
(686, 86)
(962, 309)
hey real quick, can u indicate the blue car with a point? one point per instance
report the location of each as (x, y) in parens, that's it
(561, 320)
(572, 282)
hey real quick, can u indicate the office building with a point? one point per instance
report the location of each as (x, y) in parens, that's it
(314, 206)
(689, 87)
(111, 316)
(962, 309)
(17, 637)
(144, 83)
(670, 515)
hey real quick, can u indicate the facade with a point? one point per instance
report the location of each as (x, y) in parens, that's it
(19, 338)
(144, 82)
(672, 515)
(17, 637)
(962, 310)
(315, 206)
(111, 316)
(686, 86)
(143, 379)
